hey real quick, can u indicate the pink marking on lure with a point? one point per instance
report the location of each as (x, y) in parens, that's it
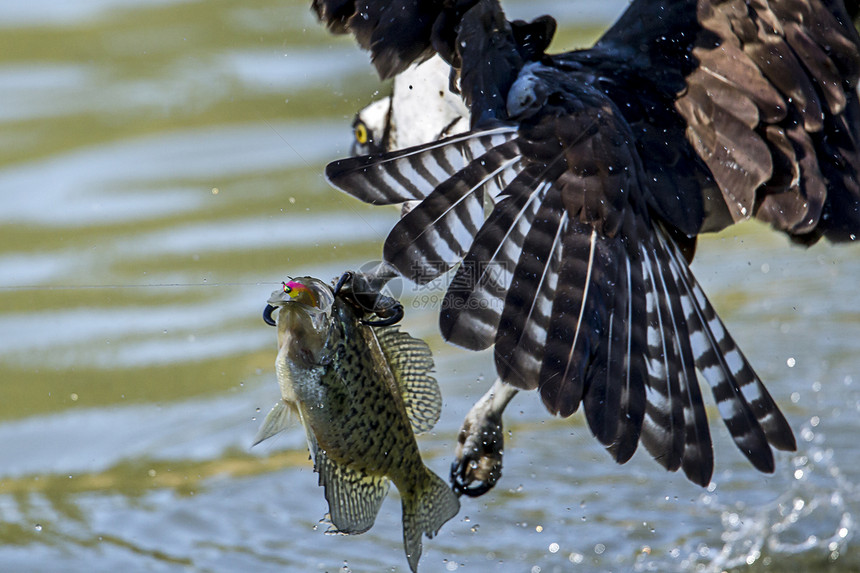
(296, 290)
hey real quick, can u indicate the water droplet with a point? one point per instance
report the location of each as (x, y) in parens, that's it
(38, 527)
(553, 547)
(790, 362)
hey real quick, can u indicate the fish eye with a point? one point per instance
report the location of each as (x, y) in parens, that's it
(361, 134)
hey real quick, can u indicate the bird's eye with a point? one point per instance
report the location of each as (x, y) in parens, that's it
(287, 289)
(361, 135)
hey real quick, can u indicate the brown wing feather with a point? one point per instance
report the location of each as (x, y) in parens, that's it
(773, 76)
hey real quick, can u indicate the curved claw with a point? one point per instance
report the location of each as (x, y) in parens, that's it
(477, 466)
(267, 315)
(359, 291)
(461, 484)
(388, 320)
(477, 463)
(347, 276)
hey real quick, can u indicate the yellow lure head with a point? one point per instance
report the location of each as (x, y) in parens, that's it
(306, 291)
(298, 292)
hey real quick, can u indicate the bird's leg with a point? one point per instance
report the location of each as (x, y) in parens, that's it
(478, 462)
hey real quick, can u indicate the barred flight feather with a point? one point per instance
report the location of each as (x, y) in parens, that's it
(632, 340)
(472, 306)
(662, 430)
(603, 396)
(697, 456)
(524, 322)
(412, 174)
(749, 412)
(435, 234)
(568, 347)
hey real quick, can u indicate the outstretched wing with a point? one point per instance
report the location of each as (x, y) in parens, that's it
(583, 294)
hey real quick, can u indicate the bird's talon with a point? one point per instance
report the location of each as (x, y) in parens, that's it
(478, 463)
(463, 486)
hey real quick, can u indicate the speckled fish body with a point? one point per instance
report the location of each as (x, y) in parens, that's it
(361, 393)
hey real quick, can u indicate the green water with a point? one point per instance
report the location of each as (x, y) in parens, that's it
(161, 172)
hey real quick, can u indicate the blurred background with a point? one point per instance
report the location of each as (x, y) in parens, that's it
(160, 174)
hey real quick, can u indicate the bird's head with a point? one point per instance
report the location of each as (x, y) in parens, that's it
(420, 109)
(371, 128)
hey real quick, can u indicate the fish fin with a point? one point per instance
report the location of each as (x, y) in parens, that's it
(353, 497)
(276, 421)
(411, 361)
(425, 511)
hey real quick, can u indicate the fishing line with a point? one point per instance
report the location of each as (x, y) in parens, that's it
(130, 286)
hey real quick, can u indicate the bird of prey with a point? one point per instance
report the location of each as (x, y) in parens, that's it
(569, 211)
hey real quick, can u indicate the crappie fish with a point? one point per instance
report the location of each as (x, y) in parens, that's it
(361, 388)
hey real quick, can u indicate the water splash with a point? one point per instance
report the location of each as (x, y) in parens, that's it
(815, 516)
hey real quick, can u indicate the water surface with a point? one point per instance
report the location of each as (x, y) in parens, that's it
(160, 173)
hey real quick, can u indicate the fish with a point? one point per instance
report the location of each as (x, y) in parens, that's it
(362, 389)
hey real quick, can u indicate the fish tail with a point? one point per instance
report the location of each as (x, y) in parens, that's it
(425, 510)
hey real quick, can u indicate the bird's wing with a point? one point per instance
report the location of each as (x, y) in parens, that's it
(584, 295)
(765, 91)
(396, 32)
(400, 32)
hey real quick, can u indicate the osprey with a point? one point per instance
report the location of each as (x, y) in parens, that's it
(570, 208)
